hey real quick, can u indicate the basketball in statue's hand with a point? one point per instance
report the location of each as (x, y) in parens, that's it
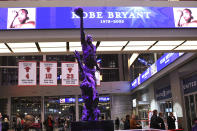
(79, 11)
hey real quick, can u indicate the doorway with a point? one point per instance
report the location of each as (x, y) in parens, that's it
(191, 109)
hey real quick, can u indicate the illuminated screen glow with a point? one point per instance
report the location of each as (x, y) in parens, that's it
(160, 64)
(97, 17)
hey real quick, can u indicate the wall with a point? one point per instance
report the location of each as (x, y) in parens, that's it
(121, 106)
(105, 88)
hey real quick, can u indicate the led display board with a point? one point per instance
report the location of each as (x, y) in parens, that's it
(72, 100)
(161, 63)
(97, 17)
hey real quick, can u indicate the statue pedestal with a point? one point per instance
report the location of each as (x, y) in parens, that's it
(106, 125)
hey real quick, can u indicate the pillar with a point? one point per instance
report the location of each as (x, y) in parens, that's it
(77, 107)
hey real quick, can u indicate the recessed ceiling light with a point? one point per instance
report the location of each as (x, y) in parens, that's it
(72, 49)
(22, 45)
(5, 51)
(162, 47)
(113, 43)
(52, 44)
(113, 48)
(3, 46)
(190, 43)
(169, 42)
(183, 47)
(17, 50)
(138, 43)
(135, 48)
(53, 49)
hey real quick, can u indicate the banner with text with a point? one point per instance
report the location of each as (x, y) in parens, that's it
(48, 73)
(98, 17)
(70, 74)
(27, 73)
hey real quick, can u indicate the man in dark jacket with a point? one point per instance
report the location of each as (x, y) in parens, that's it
(117, 123)
(160, 121)
(154, 121)
(127, 122)
(171, 121)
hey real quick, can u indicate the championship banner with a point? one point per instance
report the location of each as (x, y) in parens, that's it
(70, 74)
(48, 73)
(27, 73)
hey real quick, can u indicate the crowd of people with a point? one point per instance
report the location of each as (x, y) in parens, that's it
(127, 123)
(63, 124)
(27, 122)
(156, 122)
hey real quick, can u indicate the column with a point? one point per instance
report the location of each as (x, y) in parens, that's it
(44, 58)
(77, 107)
(42, 109)
(120, 65)
(9, 107)
(153, 102)
(177, 98)
(155, 57)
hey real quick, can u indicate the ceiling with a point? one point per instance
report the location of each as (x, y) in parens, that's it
(106, 47)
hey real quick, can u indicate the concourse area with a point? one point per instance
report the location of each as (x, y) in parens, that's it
(144, 68)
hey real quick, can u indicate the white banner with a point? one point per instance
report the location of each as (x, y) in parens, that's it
(97, 75)
(27, 73)
(70, 74)
(48, 73)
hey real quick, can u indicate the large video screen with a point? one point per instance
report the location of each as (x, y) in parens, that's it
(97, 17)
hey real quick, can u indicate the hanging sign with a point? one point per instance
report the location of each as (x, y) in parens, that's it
(70, 74)
(48, 73)
(27, 73)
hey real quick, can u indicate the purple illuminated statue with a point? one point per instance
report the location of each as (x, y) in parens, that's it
(88, 69)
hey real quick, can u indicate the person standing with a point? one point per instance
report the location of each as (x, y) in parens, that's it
(122, 124)
(117, 123)
(49, 123)
(154, 121)
(18, 122)
(0, 122)
(160, 121)
(133, 123)
(171, 121)
(5, 124)
(194, 127)
(127, 122)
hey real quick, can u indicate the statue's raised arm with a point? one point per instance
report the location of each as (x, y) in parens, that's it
(89, 50)
(79, 12)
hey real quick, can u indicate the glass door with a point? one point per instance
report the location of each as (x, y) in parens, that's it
(191, 109)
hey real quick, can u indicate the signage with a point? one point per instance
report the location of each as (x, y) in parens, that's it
(48, 73)
(70, 74)
(97, 17)
(166, 59)
(27, 73)
(190, 84)
(72, 100)
(134, 102)
(161, 63)
(163, 93)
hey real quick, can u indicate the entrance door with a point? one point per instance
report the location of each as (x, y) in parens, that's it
(191, 109)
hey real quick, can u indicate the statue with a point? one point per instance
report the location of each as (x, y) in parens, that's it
(88, 85)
